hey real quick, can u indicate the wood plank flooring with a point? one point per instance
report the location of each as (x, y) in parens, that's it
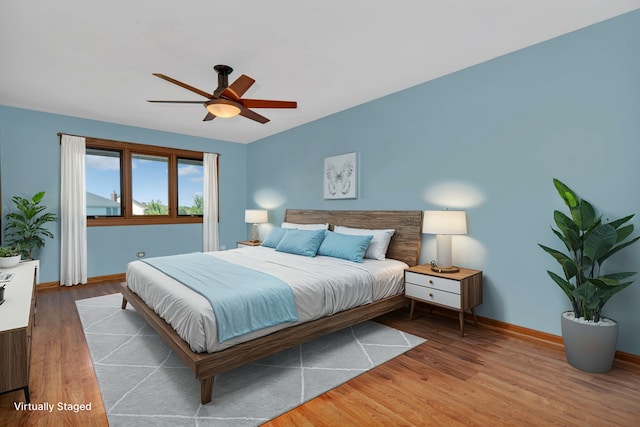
(488, 378)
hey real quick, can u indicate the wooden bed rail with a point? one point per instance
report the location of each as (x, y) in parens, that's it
(207, 365)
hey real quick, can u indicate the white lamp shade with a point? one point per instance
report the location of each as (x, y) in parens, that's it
(444, 222)
(255, 216)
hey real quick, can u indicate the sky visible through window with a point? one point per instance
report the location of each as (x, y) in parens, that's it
(150, 179)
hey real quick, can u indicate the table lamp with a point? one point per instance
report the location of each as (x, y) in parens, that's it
(444, 224)
(255, 217)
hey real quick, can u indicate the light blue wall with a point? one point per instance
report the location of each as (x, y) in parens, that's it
(490, 139)
(30, 162)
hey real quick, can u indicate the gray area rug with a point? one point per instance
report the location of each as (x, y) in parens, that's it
(143, 383)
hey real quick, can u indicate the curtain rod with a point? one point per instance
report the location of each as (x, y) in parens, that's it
(92, 137)
(68, 134)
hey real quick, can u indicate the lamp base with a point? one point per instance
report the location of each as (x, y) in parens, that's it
(254, 234)
(438, 269)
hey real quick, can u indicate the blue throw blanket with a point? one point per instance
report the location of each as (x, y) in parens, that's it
(243, 300)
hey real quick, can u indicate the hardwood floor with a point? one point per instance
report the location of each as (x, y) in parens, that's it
(489, 377)
(61, 368)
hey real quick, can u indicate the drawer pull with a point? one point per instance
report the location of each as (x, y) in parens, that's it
(430, 295)
(431, 282)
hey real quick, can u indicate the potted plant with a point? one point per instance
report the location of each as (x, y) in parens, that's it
(589, 339)
(25, 228)
(9, 256)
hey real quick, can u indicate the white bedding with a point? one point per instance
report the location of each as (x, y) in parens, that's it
(321, 287)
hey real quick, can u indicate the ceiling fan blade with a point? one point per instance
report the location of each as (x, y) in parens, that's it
(237, 88)
(266, 103)
(178, 102)
(183, 85)
(208, 117)
(253, 116)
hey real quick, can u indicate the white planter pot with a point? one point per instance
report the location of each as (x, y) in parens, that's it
(590, 347)
(10, 261)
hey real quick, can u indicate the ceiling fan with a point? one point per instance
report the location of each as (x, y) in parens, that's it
(226, 101)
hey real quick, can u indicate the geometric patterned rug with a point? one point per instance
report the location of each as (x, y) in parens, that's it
(143, 382)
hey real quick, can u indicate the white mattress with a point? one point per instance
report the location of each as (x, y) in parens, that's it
(321, 287)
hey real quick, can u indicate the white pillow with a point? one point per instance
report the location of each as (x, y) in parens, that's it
(305, 226)
(379, 244)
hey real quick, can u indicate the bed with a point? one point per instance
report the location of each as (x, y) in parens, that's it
(207, 362)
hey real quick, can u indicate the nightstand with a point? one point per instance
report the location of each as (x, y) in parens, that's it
(245, 243)
(459, 291)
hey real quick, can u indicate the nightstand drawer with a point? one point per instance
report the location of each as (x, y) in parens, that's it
(447, 285)
(432, 295)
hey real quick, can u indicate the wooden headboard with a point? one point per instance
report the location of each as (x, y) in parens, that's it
(405, 243)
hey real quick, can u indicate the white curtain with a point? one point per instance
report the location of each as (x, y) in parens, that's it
(210, 215)
(73, 217)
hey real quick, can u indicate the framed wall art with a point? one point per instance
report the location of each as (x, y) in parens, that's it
(340, 176)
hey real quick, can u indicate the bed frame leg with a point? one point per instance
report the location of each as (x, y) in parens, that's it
(124, 303)
(206, 389)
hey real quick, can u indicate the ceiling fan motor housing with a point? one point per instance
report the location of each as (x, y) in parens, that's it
(223, 75)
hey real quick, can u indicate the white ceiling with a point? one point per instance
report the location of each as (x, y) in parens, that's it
(94, 59)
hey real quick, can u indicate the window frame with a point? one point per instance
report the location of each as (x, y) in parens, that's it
(127, 218)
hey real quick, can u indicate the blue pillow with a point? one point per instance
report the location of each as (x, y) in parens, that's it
(273, 238)
(350, 247)
(301, 242)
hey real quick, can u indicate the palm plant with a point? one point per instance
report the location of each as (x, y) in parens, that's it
(25, 228)
(589, 243)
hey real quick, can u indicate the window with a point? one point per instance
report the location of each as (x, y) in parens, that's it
(149, 184)
(131, 184)
(190, 187)
(103, 182)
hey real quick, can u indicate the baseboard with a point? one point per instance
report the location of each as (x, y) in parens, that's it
(520, 330)
(545, 337)
(98, 280)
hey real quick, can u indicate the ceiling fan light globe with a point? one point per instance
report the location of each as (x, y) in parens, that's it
(223, 108)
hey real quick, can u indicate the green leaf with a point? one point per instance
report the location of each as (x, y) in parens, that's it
(624, 232)
(566, 287)
(566, 193)
(620, 276)
(37, 197)
(570, 233)
(584, 215)
(604, 282)
(559, 256)
(616, 249)
(570, 269)
(606, 294)
(600, 241)
(617, 223)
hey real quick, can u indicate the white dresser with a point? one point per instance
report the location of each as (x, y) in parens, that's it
(17, 318)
